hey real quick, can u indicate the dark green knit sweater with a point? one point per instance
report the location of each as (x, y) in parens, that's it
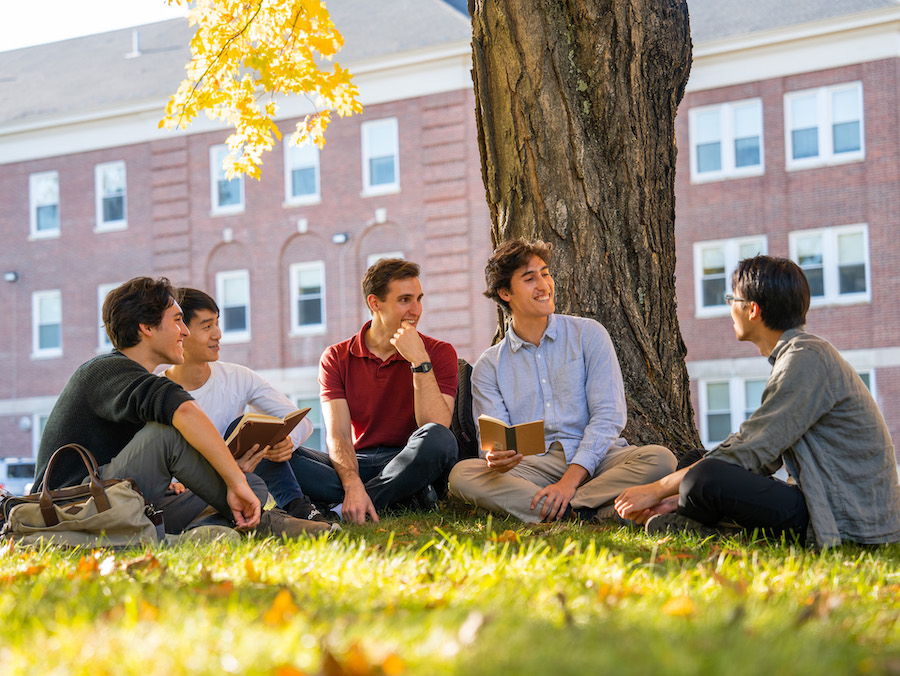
(105, 403)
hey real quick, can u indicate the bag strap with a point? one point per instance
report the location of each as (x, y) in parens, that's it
(96, 487)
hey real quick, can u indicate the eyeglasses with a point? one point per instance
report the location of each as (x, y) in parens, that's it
(733, 299)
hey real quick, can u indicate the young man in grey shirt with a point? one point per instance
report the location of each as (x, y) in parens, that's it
(816, 415)
(562, 370)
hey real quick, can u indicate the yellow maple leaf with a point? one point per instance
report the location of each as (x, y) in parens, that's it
(250, 569)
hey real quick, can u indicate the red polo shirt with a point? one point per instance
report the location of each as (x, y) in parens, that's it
(380, 393)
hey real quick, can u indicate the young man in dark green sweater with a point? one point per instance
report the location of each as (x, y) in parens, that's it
(148, 428)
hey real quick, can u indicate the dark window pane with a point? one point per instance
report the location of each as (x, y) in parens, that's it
(865, 379)
(309, 290)
(49, 336)
(303, 182)
(718, 426)
(309, 311)
(236, 318)
(746, 152)
(113, 209)
(709, 157)
(381, 170)
(20, 470)
(816, 281)
(713, 291)
(805, 142)
(846, 137)
(229, 192)
(48, 217)
(852, 278)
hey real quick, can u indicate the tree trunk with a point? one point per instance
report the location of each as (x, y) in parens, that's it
(576, 103)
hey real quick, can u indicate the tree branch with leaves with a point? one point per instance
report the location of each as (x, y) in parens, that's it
(244, 54)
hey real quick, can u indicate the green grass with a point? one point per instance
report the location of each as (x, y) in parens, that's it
(454, 593)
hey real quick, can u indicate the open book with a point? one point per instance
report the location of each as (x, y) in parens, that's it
(525, 438)
(257, 428)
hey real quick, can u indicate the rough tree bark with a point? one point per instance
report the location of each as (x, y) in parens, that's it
(575, 104)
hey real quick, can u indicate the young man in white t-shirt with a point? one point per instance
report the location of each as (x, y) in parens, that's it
(224, 391)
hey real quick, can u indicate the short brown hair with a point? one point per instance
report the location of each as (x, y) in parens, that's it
(381, 273)
(141, 300)
(506, 259)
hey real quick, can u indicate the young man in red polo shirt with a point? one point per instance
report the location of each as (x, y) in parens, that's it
(387, 398)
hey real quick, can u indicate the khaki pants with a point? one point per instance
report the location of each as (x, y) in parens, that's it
(512, 492)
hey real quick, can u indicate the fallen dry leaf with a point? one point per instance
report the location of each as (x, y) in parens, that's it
(282, 610)
(678, 606)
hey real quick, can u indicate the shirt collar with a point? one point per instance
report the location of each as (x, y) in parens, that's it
(516, 343)
(358, 347)
(782, 342)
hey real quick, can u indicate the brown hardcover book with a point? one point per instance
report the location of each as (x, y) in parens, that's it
(265, 430)
(525, 438)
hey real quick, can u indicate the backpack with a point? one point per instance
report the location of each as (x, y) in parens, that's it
(463, 423)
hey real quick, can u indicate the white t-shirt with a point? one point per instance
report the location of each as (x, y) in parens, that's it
(232, 389)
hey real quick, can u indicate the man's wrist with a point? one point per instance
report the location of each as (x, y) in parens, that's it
(421, 367)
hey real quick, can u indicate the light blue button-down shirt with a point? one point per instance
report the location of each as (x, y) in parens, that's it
(571, 381)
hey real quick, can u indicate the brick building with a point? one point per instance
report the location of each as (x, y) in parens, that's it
(93, 193)
(789, 145)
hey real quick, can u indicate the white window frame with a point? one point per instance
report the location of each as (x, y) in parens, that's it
(99, 196)
(38, 421)
(729, 169)
(37, 352)
(232, 335)
(830, 263)
(732, 257)
(289, 198)
(737, 400)
(217, 154)
(306, 329)
(104, 344)
(824, 120)
(33, 205)
(385, 188)
(312, 400)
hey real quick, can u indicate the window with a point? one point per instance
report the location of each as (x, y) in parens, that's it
(380, 157)
(38, 424)
(725, 404)
(726, 140)
(307, 297)
(46, 323)
(713, 264)
(227, 194)
(301, 174)
(109, 190)
(233, 298)
(103, 342)
(316, 440)
(836, 263)
(824, 126)
(43, 191)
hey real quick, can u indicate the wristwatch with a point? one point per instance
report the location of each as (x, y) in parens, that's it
(424, 367)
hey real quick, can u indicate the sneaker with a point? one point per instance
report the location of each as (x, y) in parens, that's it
(302, 508)
(608, 516)
(678, 523)
(327, 516)
(279, 523)
(205, 535)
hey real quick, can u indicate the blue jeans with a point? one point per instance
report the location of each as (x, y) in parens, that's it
(390, 475)
(280, 480)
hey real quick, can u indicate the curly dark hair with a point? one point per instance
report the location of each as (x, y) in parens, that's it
(506, 259)
(141, 300)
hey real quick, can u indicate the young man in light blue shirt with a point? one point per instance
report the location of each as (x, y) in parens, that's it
(562, 370)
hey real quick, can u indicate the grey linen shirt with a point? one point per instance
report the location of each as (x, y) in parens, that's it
(571, 381)
(818, 415)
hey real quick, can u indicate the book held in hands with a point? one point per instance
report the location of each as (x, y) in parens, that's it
(258, 428)
(525, 438)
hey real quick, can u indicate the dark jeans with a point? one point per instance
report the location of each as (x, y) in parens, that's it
(390, 475)
(715, 490)
(280, 480)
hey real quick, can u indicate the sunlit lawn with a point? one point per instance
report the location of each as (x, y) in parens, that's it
(454, 593)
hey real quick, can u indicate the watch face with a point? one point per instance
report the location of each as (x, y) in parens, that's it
(424, 367)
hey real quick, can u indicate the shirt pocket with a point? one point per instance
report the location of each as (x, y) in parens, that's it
(569, 378)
